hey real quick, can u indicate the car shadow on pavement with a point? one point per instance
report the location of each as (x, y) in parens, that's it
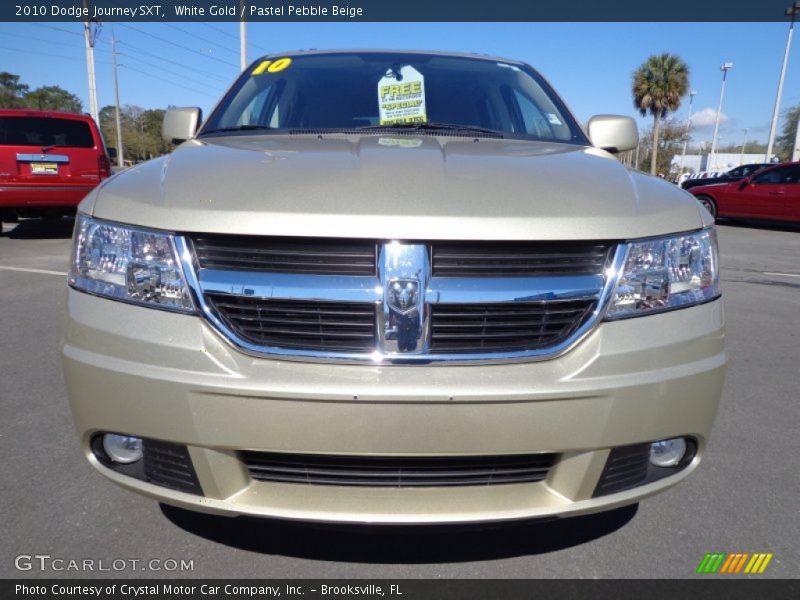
(42, 229)
(400, 544)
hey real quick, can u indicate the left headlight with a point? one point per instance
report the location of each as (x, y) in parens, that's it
(666, 273)
(129, 264)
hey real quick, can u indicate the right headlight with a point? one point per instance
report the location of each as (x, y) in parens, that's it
(665, 273)
(128, 263)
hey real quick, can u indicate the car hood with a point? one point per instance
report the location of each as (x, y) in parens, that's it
(394, 187)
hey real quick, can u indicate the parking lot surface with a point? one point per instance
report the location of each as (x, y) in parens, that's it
(743, 498)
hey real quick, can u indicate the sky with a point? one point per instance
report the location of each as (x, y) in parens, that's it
(589, 64)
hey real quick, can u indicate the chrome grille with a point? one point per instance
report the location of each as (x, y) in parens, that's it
(298, 324)
(285, 255)
(390, 302)
(506, 326)
(383, 471)
(493, 259)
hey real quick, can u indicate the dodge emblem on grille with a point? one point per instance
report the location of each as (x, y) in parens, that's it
(403, 295)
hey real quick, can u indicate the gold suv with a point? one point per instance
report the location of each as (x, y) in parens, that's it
(393, 287)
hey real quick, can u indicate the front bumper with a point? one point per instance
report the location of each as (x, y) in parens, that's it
(167, 376)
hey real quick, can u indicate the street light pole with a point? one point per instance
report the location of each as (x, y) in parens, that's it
(724, 68)
(792, 12)
(692, 94)
(744, 141)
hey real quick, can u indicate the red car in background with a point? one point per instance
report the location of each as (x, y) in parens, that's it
(771, 194)
(48, 162)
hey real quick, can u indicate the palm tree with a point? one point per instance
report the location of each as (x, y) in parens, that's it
(658, 86)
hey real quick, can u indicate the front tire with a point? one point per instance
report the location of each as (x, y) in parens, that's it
(709, 204)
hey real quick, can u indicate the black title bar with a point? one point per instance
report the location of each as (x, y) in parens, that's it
(388, 10)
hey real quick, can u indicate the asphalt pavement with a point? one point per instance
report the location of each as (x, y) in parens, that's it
(743, 498)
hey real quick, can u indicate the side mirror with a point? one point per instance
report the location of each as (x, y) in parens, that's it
(112, 153)
(180, 124)
(743, 183)
(613, 133)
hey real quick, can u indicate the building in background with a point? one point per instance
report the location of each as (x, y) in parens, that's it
(696, 163)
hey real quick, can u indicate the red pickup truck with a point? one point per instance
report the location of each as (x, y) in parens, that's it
(48, 162)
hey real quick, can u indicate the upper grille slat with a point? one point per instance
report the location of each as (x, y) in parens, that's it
(286, 255)
(494, 259)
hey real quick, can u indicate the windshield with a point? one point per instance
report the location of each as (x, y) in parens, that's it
(359, 91)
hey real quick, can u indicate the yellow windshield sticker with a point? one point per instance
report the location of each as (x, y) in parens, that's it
(272, 66)
(401, 97)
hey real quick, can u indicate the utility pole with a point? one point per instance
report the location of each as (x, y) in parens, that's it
(90, 33)
(692, 94)
(792, 12)
(242, 37)
(120, 156)
(724, 68)
(744, 142)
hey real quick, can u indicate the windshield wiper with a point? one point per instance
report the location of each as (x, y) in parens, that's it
(431, 126)
(238, 128)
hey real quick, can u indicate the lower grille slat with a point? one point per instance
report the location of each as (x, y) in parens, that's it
(472, 328)
(298, 323)
(371, 471)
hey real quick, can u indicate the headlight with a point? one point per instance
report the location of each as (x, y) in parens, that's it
(129, 264)
(665, 273)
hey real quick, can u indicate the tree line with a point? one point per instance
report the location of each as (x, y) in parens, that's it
(141, 128)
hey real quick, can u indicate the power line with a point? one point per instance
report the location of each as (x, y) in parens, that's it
(235, 37)
(61, 29)
(170, 81)
(201, 38)
(220, 78)
(36, 39)
(225, 80)
(160, 68)
(221, 30)
(26, 51)
(182, 47)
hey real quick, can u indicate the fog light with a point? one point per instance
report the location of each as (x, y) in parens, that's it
(667, 453)
(124, 449)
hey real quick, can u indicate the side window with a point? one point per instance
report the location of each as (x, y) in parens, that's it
(750, 170)
(533, 119)
(794, 176)
(779, 175)
(738, 172)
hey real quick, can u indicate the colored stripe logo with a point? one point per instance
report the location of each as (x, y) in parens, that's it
(734, 562)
